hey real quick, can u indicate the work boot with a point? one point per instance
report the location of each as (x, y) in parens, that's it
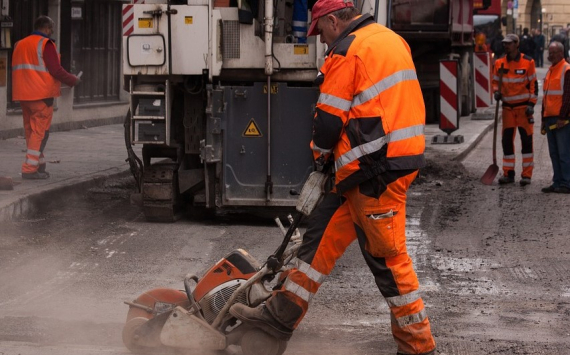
(562, 190)
(506, 180)
(35, 176)
(42, 169)
(260, 317)
(525, 181)
(548, 189)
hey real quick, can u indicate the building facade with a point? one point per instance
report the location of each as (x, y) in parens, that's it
(88, 36)
(551, 16)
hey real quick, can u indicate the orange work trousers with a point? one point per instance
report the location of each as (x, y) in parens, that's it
(37, 121)
(376, 217)
(513, 118)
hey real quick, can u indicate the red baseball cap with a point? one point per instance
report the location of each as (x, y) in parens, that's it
(325, 7)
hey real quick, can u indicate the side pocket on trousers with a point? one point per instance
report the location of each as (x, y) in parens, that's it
(381, 228)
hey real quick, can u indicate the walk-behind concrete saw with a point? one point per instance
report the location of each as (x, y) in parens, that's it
(198, 318)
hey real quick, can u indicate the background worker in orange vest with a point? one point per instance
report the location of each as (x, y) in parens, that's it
(36, 77)
(519, 92)
(555, 115)
(370, 119)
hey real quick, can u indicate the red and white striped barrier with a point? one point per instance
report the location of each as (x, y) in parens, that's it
(448, 94)
(129, 17)
(482, 67)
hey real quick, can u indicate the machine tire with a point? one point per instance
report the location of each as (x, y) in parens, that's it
(258, 342)
(130, 335)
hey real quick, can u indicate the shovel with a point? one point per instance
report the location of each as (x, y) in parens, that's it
(493, 169)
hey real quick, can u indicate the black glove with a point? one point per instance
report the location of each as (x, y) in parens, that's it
(498, 96)
(529, 111)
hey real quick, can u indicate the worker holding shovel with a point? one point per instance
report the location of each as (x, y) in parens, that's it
(518, 92)
(555, 115)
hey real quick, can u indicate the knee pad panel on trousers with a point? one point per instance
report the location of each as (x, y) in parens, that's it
(287, 312)
(508, 141)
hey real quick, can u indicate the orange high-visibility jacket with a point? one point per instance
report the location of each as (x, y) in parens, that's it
(370, 112)
(519, 86)
(553, 89)
(31, 79)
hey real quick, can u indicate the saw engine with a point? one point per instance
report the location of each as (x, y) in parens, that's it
(216, 287)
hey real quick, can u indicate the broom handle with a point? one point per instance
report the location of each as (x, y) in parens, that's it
(495, 124)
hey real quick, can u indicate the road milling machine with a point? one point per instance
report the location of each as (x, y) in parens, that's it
(222, 94)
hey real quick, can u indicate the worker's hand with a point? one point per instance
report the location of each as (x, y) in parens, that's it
(498, 96)
(529, 111)
(543, 128)
(561, 123)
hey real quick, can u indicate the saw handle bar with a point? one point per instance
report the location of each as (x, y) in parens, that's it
(275, 261)
(188, 289)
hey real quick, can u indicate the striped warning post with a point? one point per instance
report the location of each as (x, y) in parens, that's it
(129, 17)
(482, 67)
(448, 95)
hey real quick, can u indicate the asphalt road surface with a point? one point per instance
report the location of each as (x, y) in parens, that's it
(493, 263)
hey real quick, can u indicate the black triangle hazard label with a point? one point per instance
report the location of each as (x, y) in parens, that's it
(252, 130)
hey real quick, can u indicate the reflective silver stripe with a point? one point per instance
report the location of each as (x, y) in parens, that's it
(41, 65)
(371, 147)
(32, 162)
(321, 150)
(411, 319)
(514, 80)
(528, 155)
(334, 101)
(39, 52)
(299, 24)
(384, 84)
(29, 66)
(297, 290)
(564, 68)
(510, 165)
(36, 153)
(526, 165)
(495, 77)
(399, 301)
(555, 92)
(309, 271)
(516, 97)
(532, 77)
(509, 156)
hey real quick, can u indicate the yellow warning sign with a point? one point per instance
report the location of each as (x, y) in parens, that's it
(301, 49)
(145, 22)
(252, 130)
(188, 20)
(274, 89)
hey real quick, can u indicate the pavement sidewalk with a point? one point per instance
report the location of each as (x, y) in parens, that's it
(80, 158)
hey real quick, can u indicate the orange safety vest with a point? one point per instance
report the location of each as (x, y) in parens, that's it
(553, 89)
(30, 76)
(519, 86)
(370, 113)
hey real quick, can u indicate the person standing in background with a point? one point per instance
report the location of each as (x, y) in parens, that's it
(555, 115)
(519, 92)
(539, 43)
(37, 76)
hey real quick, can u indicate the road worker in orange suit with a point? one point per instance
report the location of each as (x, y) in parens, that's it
(519, 91)
(369, 120)
(36, 76)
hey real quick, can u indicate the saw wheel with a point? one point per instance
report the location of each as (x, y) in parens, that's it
(258, 342)
(130, 336)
